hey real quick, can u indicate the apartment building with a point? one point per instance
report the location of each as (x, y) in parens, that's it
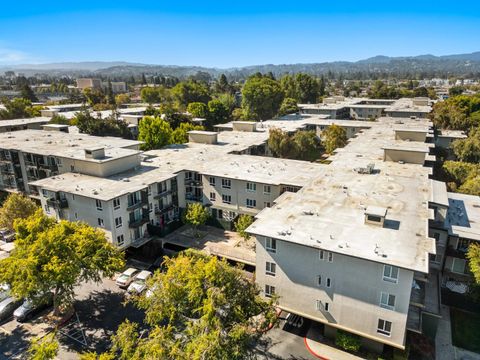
(354, 242)
(34, 123)
(339, 107)
(29, 155)
(122, 205)
(89, 83)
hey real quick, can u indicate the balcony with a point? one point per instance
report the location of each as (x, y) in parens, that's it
(164, 209)
(457, 253)
(193, 182)
(134, 222)
(162, 194)
(50, 167)
(143, 201)
(193, 197)
(57, 203)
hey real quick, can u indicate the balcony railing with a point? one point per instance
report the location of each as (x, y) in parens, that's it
(164, 209)
(163, 193)
(193, 182)
(58, 203)
(143, 201)
(136, 222)
(51, 167)
(193, 197)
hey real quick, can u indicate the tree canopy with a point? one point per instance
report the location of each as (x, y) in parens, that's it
(198, 109)
(190, 91)
(333, 137)
(196, 215)
(261, 97)
(180, 134)
(155, 132)
(303, 145)
(473, 256)
(200, 308)
(468, 149)
(458, 113)
(16, 206)
(242, 223)
(289, 106)
(54, 257)
(110, 126)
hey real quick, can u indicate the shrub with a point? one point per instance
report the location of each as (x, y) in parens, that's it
(347, 342)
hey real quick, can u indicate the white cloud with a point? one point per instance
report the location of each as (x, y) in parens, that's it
(11, 56)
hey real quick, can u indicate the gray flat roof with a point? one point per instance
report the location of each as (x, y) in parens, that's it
(27, 121)
(463, 216)
(328, 213)
(66, 145)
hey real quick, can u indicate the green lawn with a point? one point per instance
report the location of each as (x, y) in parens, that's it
(465, 329)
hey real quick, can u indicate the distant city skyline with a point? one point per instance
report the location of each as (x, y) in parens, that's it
(214, 34)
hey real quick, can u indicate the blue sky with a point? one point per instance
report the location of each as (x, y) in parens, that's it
(233, 33)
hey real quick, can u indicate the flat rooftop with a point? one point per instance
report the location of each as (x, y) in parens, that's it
(463, 216)
(27, 121)
(66, 145)
(329, 212)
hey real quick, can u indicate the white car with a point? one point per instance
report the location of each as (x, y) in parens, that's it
(127, 277)
(140, 283)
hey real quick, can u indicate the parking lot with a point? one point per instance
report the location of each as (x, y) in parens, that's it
(100, 309)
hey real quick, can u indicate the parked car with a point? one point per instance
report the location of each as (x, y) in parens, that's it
(139, 284)
(127, 277)
(4, 291)
(28, 309)
(8, 306)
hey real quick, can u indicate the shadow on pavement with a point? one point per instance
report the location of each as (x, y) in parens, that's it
(14, 343)
(100, 315)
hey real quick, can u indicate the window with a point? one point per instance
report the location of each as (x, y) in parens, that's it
(266, 204)
(330, 257)
(269, 290)
(266, 189)
(188, 175)
(99, 204)
(44, 193)
(384, 327)
(319, 280)
(270, 268)
(321, 255)
(100, 222)
(226, 183)
(390, 273)
(212, 196)
(251, 203)
(322, 306)
(116, 203)
(329, 282)
(458, 265)
(72, 168)
(76, 216)
(251, 187)
(47, 209)
(118, 222)
(271, 245)
(211, 180)
(387, 301)
(120, 240)
(226, 199)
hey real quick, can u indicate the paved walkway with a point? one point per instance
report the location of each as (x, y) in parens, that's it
(324, 351)
(443, 341)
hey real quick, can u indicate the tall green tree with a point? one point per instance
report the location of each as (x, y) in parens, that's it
(198, 109)
(280, 144)
(261, 97)
(27, 93)
(190, 91)
(200, 308)
(468, 149)
(218, 113)
(155, 132)
(289, 106)
(333, 137)
(180, 134)
(307, 145)
(196, 215)
(242, 223)
(54, 257)
(16, 206)
(45, 348)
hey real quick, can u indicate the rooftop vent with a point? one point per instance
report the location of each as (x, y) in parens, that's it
(95, 153)
(375, 215)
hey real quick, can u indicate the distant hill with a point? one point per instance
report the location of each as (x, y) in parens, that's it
(420, 66)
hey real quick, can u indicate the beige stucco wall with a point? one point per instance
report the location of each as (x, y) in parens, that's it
(354, 296)
(409, 157)
(410, 135)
